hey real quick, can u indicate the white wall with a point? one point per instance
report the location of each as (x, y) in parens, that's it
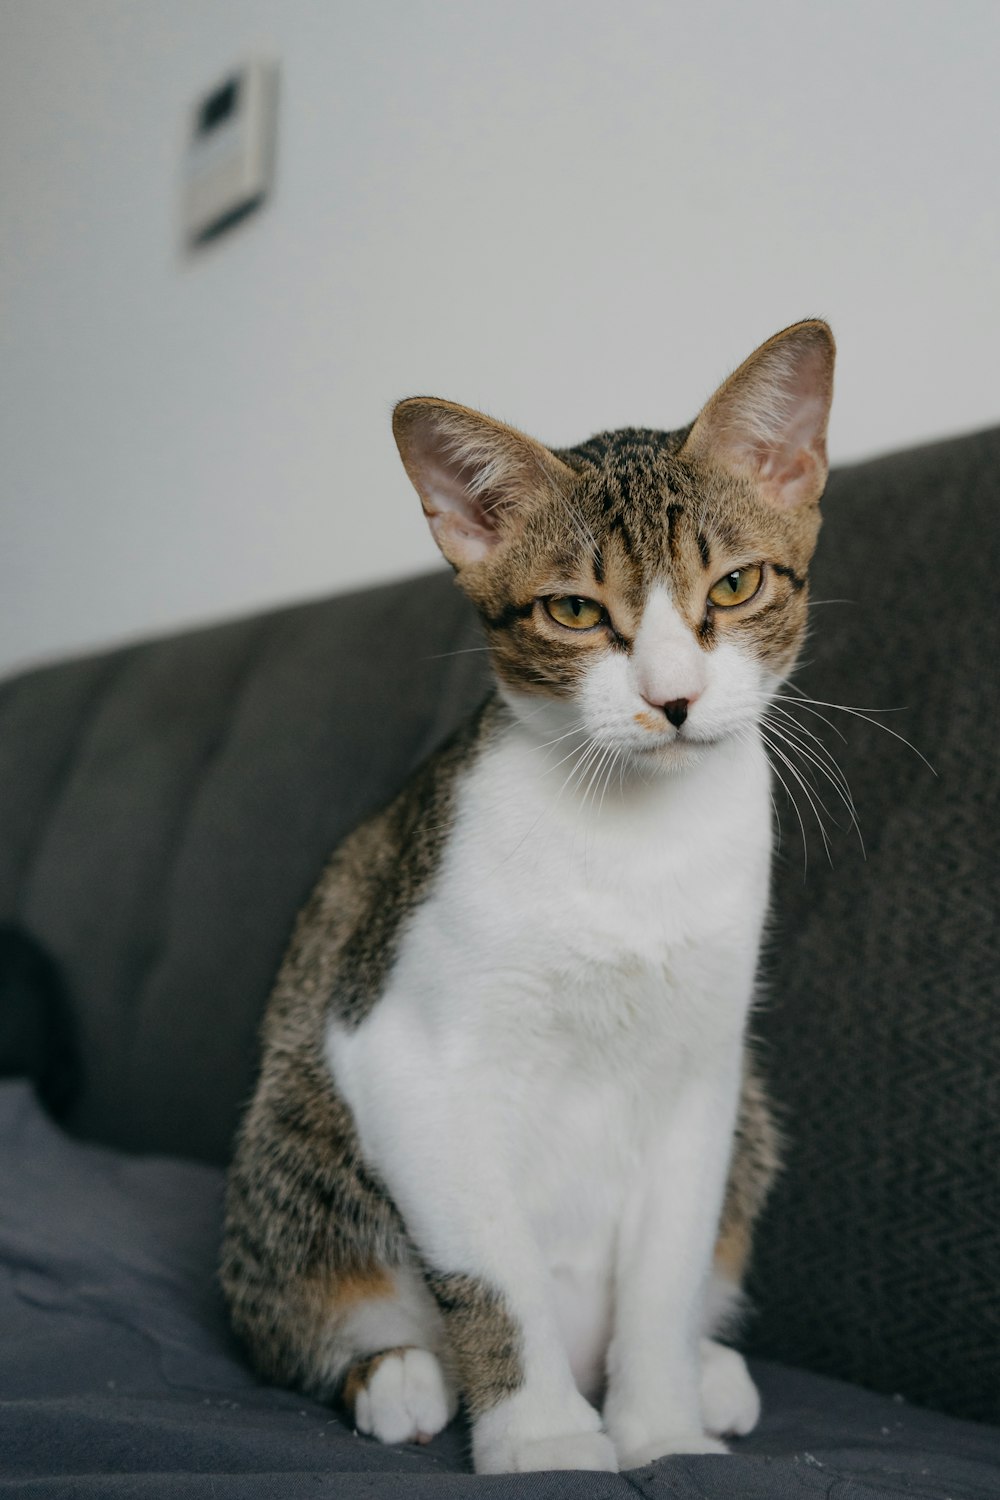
(576, 215)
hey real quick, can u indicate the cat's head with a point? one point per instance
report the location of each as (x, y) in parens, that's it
(647, 588)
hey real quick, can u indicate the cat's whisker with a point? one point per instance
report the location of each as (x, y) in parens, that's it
(589, 743)
(615, 760)
(827, 766)
(771, 706)
(557, 739)
(793, 747)
(590, 790)
(838, 781)
(593, 785)
(461, 651)
(573, 755)
(830, 765)
(777, 822)
(606, 777)
(775, 698)
(746, 737)
(595, 772)
(798, 814)
(802, 826)
(585, 757)
(575, 750)
(585, 770)
(812, 796)
(810, 704)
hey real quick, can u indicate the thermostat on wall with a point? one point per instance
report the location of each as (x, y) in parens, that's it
(230, 157)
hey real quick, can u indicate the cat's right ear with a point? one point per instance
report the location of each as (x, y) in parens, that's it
(474, 475)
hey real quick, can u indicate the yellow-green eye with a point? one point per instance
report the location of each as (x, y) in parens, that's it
(737, 587)
(577, 614)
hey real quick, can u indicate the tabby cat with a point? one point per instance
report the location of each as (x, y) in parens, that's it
(508, 1142)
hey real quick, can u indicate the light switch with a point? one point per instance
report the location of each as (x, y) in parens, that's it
(229, 166)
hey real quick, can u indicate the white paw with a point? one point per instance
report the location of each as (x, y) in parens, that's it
(637, 1456)
(578, 1450)
(729, 1399)
(529, 1431)
(406, 1400)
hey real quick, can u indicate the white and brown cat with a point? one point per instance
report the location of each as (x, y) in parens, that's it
(508, 1145)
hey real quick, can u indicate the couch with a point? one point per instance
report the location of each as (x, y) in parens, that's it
(164, 810)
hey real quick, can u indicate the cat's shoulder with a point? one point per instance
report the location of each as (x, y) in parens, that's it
(346, 936)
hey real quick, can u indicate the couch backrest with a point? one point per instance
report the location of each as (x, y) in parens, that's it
(164, 810)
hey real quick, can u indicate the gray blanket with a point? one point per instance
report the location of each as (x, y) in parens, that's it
(118, 1375)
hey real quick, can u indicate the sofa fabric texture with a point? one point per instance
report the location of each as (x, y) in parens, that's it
(165, 809)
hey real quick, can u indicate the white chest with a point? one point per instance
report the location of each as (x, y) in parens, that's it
(550, 992)
(639, 919)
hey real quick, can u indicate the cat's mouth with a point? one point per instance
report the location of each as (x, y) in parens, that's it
(678, 746)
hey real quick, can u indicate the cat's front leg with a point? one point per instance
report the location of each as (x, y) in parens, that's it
(492, 1288)
(654, 1403)
(437, 1142)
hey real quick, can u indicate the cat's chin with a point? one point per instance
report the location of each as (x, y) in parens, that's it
(674, 755)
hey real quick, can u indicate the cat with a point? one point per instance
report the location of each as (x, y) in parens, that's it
(509, 1140)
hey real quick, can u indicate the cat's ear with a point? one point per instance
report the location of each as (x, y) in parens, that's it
(475, 476)
(768, 420)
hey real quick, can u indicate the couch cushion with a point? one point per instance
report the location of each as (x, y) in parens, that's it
(118, 1374)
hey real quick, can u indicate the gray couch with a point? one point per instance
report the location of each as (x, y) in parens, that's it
(165, 809)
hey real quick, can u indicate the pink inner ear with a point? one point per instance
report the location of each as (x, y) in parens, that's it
(448, 490)
(771, 419)
(460, 540)
(455, 472)
(793, 460)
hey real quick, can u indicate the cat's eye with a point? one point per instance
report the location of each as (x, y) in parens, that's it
(576, 613)
(737, 587)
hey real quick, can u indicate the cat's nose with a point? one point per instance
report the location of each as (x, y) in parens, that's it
(676, 710)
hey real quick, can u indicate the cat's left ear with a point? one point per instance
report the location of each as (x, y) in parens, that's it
(769, 419)
(474, 475)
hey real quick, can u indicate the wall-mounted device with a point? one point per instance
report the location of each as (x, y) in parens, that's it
(229, 165)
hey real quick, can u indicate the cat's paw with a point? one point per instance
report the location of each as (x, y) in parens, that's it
(638, 1455)
(729, 1400)
(529, 1431)
(578, 1450)
(405, 1398)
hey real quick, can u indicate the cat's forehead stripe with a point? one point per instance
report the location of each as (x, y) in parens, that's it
(626, 442)
(674, 512)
